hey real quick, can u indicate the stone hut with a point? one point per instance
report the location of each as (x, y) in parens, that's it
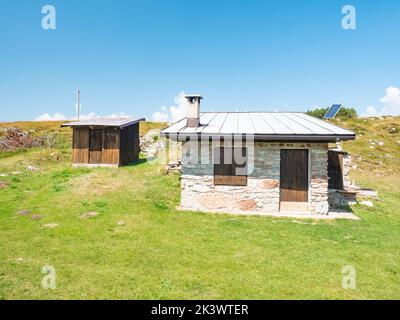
(256, 162)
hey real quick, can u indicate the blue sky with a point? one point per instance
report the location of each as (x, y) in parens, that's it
(135, 56)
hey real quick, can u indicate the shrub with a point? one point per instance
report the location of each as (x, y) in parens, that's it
(343, 114)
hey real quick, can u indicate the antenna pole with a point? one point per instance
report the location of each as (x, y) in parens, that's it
(78, 96)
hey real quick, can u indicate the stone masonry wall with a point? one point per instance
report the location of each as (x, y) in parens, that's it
(262, 193)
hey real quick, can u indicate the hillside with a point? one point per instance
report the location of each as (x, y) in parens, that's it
(138, 246)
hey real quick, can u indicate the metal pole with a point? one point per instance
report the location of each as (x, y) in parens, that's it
(79, 103)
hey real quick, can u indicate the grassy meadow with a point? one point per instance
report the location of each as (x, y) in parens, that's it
(140, 247)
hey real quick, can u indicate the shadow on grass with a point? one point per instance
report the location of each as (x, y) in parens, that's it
(137, 163)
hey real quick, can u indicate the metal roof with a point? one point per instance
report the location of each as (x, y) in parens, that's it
(120, 122)
(263, 125)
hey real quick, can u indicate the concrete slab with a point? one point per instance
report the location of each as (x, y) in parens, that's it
(332, 215)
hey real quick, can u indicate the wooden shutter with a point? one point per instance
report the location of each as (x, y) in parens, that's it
(335, 170)
(222, 171)
(225, 173)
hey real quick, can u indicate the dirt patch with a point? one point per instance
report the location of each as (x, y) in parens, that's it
(95, 184)
(24, 212)
(121, 223)
(50, 225)
(3, 185)
(88, 215)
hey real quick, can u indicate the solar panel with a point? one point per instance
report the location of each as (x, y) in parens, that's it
(332, 112)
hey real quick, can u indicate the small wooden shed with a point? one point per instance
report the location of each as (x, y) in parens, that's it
(105, 141)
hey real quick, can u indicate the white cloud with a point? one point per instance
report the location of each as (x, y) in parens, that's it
(173, 113)
(92, 115)
(391, 103)
(371, 112)
(48, 117)
(161, 116)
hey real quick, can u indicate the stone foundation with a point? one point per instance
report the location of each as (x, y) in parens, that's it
(262, 193)
(341, 199)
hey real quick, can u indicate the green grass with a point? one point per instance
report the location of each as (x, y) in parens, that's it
(162, 253)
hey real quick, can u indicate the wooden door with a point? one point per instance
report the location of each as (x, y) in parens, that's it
(110, 146)
(80, 145)
(294, 175)
(96, 146)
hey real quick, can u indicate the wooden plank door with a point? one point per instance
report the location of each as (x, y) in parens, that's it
(96, 146)
(110, 146)
(294, 175)
(80, 145)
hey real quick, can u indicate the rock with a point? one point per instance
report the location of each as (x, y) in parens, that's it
(51, 225)
(381, 143)
(151, 144)
(173, 166)
(270, 184)
(3, 185)
(24, 213)
(367, 203)
(88, 215)
(31, 168)
(247, 205)
(3, 174)
(121, 223)
(36, 217)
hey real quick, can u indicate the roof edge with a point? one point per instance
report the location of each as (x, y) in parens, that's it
(264, 137)
(77, 124)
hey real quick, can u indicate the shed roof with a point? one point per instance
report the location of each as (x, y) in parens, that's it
(120, 122)
(263, 125)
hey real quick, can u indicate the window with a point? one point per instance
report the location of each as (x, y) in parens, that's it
(230, 168)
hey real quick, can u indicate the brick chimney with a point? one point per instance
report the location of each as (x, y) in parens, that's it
(193, 117)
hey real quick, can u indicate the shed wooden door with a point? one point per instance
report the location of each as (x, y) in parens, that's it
(110, 146)
(96, 146)
(294, 175)
(80, 147)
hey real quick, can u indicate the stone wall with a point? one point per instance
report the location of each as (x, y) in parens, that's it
(262, 193)
(319, 179)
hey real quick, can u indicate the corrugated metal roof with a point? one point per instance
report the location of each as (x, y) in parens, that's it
(264, 125)
(105, 122)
